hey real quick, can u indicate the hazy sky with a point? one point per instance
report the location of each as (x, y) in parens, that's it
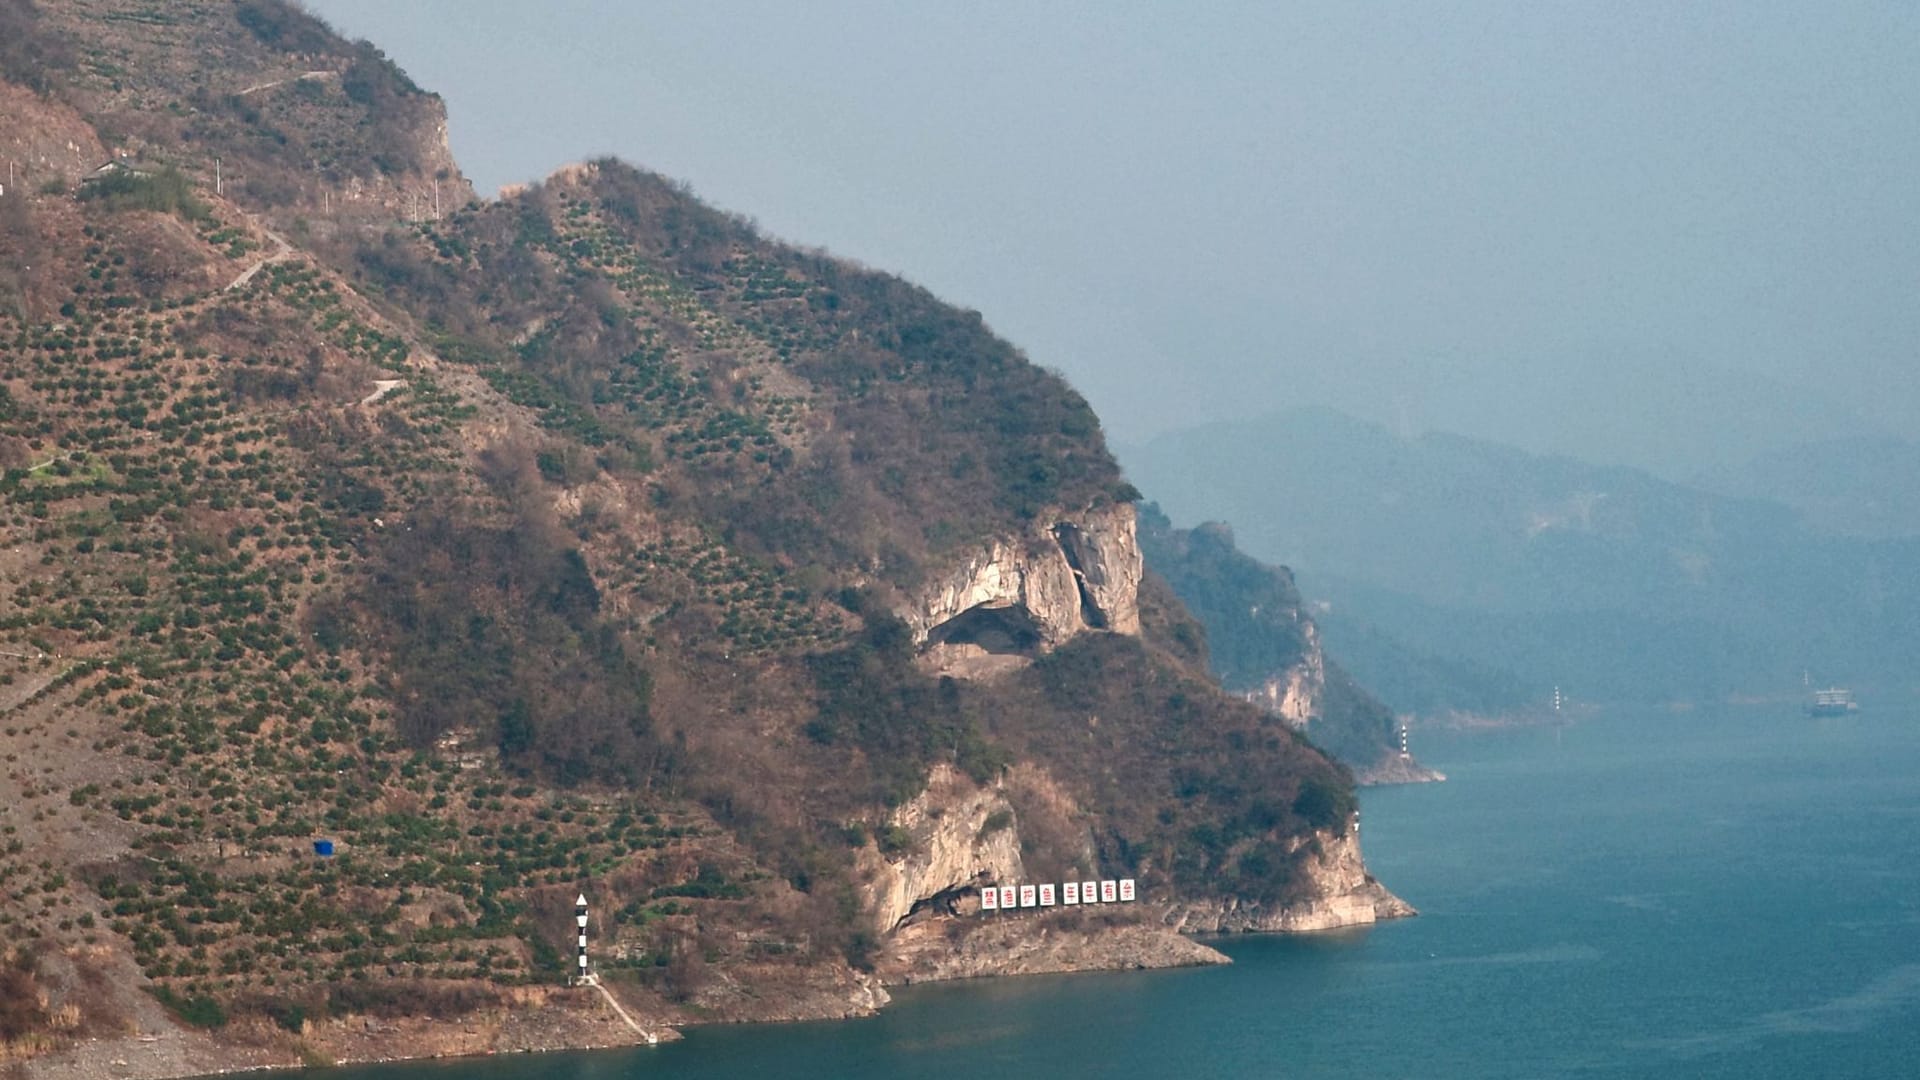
(1653, 233)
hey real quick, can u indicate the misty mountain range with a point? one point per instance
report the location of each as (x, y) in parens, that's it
(1867, 486)
(1458, 573)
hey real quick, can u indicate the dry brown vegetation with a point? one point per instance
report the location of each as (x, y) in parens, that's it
(595, 592)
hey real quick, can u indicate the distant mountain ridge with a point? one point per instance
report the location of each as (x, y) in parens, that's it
(1863, 486)
(1549, 570)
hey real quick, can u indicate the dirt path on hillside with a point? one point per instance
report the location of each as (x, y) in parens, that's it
(651, 1038)
(381, 388)
(303, 77)
(281, 249)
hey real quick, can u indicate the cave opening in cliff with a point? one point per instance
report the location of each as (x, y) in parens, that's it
(1004, 631)
(1068, 538)
(944, 904)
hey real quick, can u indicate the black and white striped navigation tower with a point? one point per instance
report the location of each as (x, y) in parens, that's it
(580, 918)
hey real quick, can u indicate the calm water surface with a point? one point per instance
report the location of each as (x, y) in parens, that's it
(1715, 894)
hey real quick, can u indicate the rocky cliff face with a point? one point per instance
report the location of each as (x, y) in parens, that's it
(958, 834)
(1340, 893)
(1294, 694)
(310, 126)
(1023, 595)
(1264, 645)
(1062, 941)
(1298, 695)
(1103, 550)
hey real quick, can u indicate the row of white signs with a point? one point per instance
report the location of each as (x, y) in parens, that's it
(1007, 897)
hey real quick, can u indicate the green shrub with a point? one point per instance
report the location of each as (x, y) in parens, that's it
(996, 822)
(199, 1010)
(1323, 803)
(290, 1015)
(165, 190)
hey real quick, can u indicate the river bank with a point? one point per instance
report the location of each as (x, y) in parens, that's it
(1717, 894)
(542, 1020)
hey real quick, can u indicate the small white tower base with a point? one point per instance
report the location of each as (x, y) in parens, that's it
(580, 975)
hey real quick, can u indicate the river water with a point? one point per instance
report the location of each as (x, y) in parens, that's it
(1724, 893)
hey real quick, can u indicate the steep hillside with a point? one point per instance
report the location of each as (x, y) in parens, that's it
(580, 541)
(1264, 645)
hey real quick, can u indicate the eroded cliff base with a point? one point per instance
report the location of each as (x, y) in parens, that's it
(1340, 894)
(1036, 944)
(932, 949)
(535, 1019)
(1397, 769)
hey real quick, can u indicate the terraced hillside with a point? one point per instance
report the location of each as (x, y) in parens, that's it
(581, 540)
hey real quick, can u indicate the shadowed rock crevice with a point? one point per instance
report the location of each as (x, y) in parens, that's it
(1001, 631)
(1070, 541)
(1077, 574)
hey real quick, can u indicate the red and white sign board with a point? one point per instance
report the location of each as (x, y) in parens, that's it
(1109, 892)
(1070, 893)
(1126, 890)
(990, 899)
(1006, 898)
(1029, 896)
(1046, 895)
(1089, 892)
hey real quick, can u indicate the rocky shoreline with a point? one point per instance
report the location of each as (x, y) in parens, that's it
(539, 1020)
(1070, 941)
(1396, 769)
(923, 947)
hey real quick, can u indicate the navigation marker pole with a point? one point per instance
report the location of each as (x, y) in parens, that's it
(1403, 740)
(580, 917)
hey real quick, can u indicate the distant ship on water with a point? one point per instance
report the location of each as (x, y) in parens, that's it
(1833, 701)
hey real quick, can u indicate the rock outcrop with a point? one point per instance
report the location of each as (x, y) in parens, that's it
(1397, 769)
(1295, 694)
(958, 834)
(1036, 944)
(1341, 893)
(1023, 595)
(1263, 643)
(1103, 551)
